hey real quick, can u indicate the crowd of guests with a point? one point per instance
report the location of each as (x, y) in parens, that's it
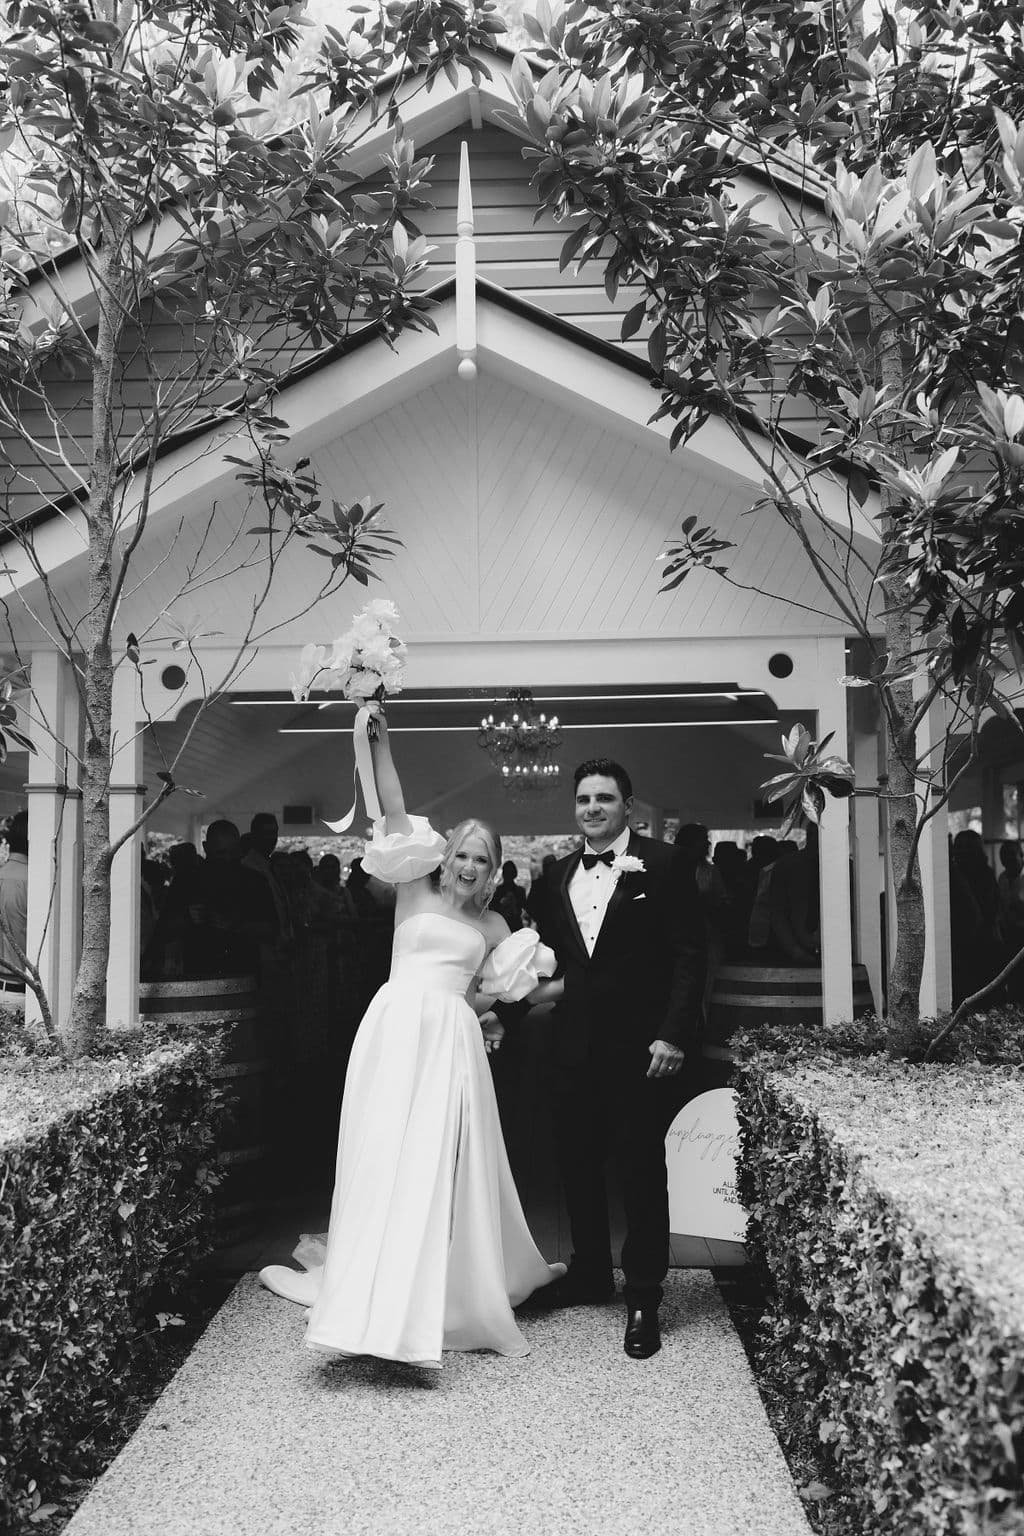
(321, 945)
(244, 906)
(762, 906)
(319, 948)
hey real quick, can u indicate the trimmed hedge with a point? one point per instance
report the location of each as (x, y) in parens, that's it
(106, 1179)
(886, 1207)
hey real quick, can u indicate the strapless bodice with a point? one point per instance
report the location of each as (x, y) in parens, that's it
(436, 953)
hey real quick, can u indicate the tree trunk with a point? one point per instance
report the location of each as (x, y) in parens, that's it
(906, 965)
(89, 999)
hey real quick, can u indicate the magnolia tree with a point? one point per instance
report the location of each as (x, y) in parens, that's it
(877, 283)
(195, 158)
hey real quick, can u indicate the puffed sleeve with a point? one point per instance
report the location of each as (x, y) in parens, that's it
(514, 967)
(401, 856)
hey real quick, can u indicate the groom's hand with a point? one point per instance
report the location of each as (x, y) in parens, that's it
(666, 1060)
(493, 1032)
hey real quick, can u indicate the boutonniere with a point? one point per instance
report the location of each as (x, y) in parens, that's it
(627, 864)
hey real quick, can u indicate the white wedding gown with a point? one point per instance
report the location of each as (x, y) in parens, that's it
(428, 1248)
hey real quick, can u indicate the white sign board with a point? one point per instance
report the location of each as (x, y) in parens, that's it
(700, 1150)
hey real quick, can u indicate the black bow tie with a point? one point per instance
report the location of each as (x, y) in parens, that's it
(590, 859)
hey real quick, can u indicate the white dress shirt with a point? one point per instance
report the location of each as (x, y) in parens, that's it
(590, 891)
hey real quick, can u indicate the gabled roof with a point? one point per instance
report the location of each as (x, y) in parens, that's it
(364, 376)
(624, 393)
(427, 113)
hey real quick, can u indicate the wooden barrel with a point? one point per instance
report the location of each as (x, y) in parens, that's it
(245, 1075)
(748, 995)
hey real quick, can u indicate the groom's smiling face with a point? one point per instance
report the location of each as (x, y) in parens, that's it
(601, 812)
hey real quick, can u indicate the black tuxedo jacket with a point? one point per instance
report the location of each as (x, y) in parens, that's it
(645, 979)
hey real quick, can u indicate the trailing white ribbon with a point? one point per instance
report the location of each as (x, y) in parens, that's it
(362, 773)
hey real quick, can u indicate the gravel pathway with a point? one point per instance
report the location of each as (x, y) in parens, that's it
(256, 1436)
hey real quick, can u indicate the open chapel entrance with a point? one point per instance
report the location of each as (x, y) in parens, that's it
(695, 752)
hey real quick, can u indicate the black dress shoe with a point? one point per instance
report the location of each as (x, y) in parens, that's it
(643, 1336)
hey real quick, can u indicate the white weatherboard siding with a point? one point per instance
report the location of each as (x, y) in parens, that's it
(515, 250)
(517, 517)
(518, 247)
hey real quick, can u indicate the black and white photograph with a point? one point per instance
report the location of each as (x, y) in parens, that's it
(511, 768)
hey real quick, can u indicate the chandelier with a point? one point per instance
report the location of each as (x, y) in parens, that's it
(522, 744)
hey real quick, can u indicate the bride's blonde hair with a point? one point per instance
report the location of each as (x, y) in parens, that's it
(446, 874)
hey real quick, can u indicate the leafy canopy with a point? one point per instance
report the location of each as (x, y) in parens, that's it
(881, 282)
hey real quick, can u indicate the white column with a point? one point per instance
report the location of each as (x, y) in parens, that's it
(836, 915)
(868, 861)
(54, 842)
(127, 793)
(933, 857)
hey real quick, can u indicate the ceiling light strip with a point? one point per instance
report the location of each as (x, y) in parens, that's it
(596, 725)
(478, 699)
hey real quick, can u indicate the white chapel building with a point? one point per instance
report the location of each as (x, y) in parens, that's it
(515, 456)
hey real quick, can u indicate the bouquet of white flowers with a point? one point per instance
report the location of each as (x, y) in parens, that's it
(367, 662)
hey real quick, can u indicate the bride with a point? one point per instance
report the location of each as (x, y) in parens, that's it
(428, 1248)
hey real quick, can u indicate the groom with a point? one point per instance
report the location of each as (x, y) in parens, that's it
(622, 916)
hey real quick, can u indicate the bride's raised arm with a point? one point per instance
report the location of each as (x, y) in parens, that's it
(403, 850)
(389, 785)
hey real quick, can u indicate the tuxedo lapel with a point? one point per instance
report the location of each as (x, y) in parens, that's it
(571, 866)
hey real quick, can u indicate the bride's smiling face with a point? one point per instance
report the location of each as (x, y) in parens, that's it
(471, 868)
